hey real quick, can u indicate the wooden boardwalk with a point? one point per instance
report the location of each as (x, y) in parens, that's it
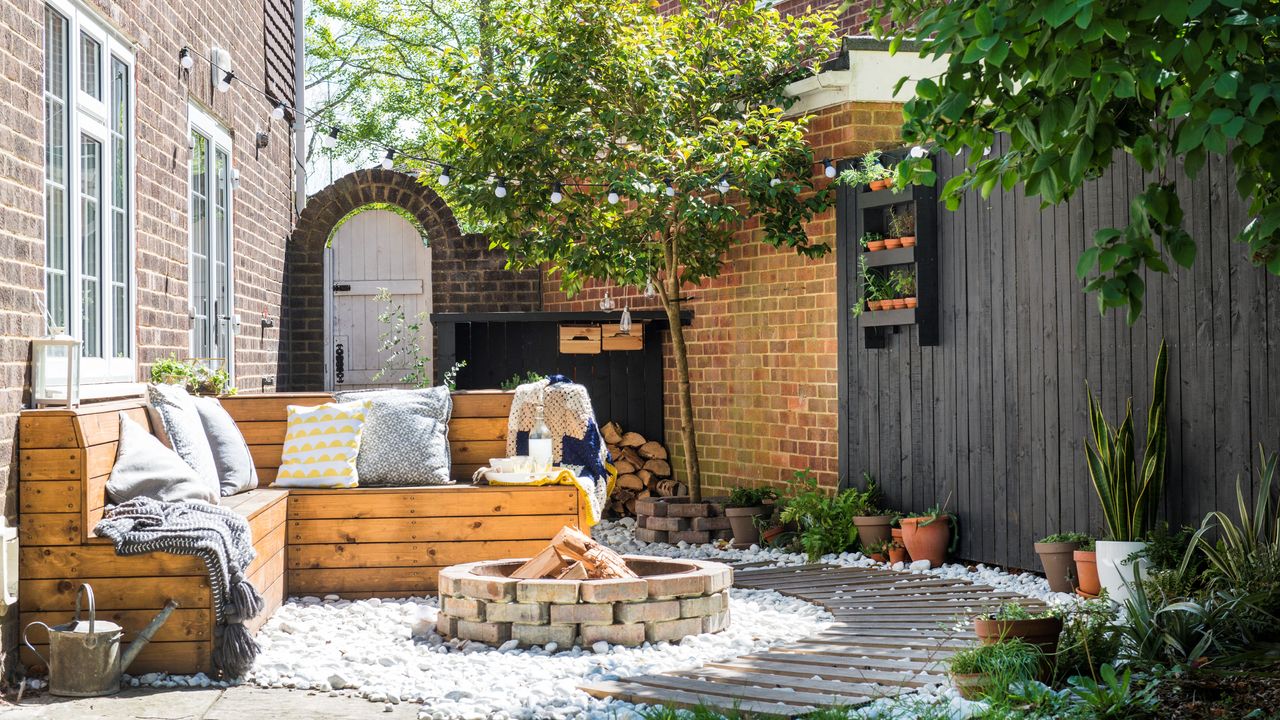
(893, 632)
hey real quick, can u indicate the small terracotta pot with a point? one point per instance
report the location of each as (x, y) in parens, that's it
(892, 243)
(879, 557)
(772, 534)
(908, 240)
(888, 182)
(742, 520)
(1059, 566)
(971, 686)
(873, 304)
(1042, 632)
(899, 554)
(875, 245)
(898, 303)
(911, 301)
(878, 184)
(927, 542)
(1087, 572)
(872, 529)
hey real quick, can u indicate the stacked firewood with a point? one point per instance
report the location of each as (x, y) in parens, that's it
(572, 555)
(644, 470)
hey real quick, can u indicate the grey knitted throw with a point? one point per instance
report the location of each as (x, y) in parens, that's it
(217, 536)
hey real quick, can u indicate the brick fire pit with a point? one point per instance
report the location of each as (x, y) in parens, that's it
(671, 600)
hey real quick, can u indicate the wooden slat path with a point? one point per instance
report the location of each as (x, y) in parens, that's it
(893, 633)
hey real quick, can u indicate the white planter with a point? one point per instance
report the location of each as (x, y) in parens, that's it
(1115, 572)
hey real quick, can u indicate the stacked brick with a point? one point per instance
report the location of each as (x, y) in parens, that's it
(494, 609)
(673, 520)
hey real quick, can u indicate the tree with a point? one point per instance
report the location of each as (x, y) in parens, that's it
(1070, 82)
(660, 135)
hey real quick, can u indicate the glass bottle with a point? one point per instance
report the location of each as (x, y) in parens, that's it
(540, 441)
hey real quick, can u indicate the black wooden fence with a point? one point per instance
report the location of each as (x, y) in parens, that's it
(993, 417)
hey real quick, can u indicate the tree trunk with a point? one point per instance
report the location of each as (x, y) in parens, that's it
(693, 476)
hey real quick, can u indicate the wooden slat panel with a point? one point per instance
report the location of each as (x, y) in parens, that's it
(267, 547)
(432, 502)
(269, 518)
(263, 432)
(49, 528)
(482, 403)
(183, 625)
(273, 597)
(408, 554)
(104, 427)
(46, 431)
(477, 451)
(270, 406)
(514, 527)
(61, 464)
(416, 580)
(468, 429)
(50, 496)
(102, 561)
(179, 658)
(116, 593)
(269, 572)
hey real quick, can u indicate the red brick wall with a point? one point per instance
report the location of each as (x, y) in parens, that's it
(762, 346)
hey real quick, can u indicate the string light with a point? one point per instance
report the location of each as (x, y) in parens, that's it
(827, 168)
(186, 59)
(918, 152)
(624, 322)
(775, 182)
(444, 178)
(389, 160)
(330, 139)
(723, 186)
(225, 83)
(613, 195)
(649, 289)
(671, 188)
(277, 112)
(501, 189)
(557, 193)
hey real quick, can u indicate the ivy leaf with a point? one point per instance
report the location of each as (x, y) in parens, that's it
(1227, 84)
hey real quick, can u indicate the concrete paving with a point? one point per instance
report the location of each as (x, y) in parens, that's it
(236, 703)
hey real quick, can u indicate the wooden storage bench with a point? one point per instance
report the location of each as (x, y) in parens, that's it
(361, 542)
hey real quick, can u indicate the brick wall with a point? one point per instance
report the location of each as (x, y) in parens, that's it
(263, 203)
(762, 346)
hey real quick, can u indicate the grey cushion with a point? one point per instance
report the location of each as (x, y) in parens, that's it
(181, 427)
(406, 437)
(231, 456)
(146, 468)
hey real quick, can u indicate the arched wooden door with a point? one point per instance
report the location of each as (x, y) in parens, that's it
(372, 250)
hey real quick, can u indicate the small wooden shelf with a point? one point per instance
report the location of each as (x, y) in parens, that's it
(868, 199)
(896, 256)
(887, 318)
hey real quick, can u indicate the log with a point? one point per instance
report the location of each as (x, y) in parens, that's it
(632, 440)
(615, 452)
(576, 571)
(666, 488)
(547, 563)
(600, 561)
(612, 433)
(646, 477)
(624, 468)
(632, 457)
(658, 467)
(631, 506)
(630, 482)
(652, 450)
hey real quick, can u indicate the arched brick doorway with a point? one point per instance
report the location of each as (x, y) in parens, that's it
(465, 275)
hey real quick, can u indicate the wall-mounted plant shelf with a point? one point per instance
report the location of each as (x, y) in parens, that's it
(896, 256)
(887, 318)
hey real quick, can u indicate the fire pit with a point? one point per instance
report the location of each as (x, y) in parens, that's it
(669, 600)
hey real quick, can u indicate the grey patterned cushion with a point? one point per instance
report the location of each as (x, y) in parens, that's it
(180, 427)
(144, 467)
(406, 437)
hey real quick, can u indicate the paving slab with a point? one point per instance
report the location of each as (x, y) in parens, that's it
(236, 703)
(244, 702)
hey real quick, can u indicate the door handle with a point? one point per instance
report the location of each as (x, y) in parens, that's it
(341, 287)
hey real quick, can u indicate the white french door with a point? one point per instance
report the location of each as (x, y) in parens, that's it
(212, 310)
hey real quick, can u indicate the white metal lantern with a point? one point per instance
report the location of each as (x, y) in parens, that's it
(56, 369)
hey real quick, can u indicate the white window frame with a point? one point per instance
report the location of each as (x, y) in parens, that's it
(200, 121)
(87, 115)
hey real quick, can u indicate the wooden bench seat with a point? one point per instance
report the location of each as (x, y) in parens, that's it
(362, 542)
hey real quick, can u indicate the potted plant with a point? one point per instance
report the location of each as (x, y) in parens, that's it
(904, 283)
(872, 242)
(1130, 492)
(745, 509)
(1087, 569)
(895, 534)
(878, 551)
(872, 522)
(892, 241)
(986, 669)
(902, 225)
(1057, 558)
(928, 535)
(897, 552)
(196, 376)
(1013, 621)
(869, 172)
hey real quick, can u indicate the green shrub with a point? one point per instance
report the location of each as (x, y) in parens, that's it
(1004, 663)
(517, 380)
(1068, 537)
(1089, 640)
(825, 521)
(1185, 633)
(743, 497)
(1112, 696)
(197, 378)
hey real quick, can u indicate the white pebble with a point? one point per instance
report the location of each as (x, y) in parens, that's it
(600, 647)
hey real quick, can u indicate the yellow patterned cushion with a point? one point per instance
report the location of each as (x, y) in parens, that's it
(320, 445)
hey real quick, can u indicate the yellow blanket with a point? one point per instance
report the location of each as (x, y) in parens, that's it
(589, 490)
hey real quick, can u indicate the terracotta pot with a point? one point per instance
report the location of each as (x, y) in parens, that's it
(742, 520)
(875, 245)
(971, 686)
(899, 554)
(872, 529)
(927, 542)
(898, 303)
(911, 301)
(879, 557)
(896, 534)
(892, 243)
(1059, 566)
(908, 240)
(888, 182)
(1043, 632)
(772, 534)
(1087, 572)
(878, 184)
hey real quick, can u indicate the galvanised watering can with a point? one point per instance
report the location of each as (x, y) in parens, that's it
(84, 656)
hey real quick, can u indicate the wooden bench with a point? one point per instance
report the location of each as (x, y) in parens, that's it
(363, 542)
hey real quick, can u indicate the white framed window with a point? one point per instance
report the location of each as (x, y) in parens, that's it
(89, 194)
(212, 237)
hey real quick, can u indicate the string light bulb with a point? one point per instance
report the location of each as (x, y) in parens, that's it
(389, 160)
(186, 59)
(444, 178)
(775, 182)
(624, 322)
(649, 289)
(613, 195)
(918, 152)
(331, 138)
(501, 189)
(671, 188)
(277, 112)
(557, 193)
(723, 186)
(224, 84)
(828, 169)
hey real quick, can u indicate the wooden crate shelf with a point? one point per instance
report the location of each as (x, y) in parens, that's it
(887, 318)
(896, 256)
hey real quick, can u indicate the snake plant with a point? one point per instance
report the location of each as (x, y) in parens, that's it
(1130, 494)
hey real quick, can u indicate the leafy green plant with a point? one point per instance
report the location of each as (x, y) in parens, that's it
(825, 521)
(1089, 640)
(869, 237)
(195, 376)
(1249, 539)
(1183, 634)
(880, 547)
(902, 222)
(903, 282)
(1112, 696)
(1165, 549)
(401, 339)
(517, 380)
(1015, 611)
(1003, 663)
(868, 170)
(1130, 495)
(1067, 537)
(742, 497)
(867, 501)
